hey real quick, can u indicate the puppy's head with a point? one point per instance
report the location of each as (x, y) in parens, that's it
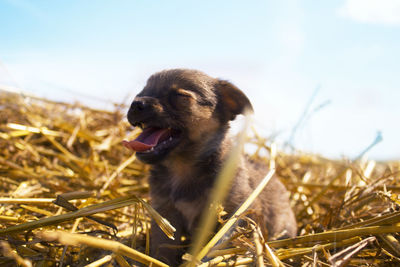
(180, 109)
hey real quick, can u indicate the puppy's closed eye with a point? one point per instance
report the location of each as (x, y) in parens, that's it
(184, 93)
(180, 98)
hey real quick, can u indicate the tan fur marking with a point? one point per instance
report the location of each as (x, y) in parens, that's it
(191, 210)
(186, 93)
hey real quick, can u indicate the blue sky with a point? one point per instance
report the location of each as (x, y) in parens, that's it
(277, 52)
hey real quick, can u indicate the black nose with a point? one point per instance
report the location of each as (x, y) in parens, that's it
(137, 106)
(139, 111)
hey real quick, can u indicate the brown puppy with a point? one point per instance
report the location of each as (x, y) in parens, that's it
(185, 118)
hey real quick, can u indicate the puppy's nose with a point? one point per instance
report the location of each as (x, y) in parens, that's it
(139, 111)
(138, 105)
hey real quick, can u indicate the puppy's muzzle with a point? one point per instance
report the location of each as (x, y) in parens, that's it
(140, 111)
(158, 137)
(138, 105)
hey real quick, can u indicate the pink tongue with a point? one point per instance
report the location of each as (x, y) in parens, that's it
(147, 139)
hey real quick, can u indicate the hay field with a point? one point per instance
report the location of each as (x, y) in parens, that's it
(72, 195)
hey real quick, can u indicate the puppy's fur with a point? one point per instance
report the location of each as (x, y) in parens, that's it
(185, 115)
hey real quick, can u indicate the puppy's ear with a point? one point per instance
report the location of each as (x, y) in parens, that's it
(231, 101)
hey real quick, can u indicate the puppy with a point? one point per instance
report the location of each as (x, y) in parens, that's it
(185, 117)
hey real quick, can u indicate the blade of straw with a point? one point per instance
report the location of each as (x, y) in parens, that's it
(163, 223)
(119, 169)
(219, 192)
(246, 204)
(335, 235)
(105, 206)
(79, 239)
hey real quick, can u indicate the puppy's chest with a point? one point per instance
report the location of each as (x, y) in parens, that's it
(189, 196)
(187, 192)
(191, 211)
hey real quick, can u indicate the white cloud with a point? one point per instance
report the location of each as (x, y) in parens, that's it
(385, 12)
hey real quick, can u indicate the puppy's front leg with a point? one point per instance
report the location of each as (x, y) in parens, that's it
(163, 248)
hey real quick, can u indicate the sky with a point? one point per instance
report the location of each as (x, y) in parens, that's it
(340, 60)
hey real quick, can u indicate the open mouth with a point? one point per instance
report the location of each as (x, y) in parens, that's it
(154, 140)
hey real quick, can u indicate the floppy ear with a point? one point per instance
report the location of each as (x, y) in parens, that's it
(231, 101)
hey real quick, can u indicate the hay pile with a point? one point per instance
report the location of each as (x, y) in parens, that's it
(62, 167)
